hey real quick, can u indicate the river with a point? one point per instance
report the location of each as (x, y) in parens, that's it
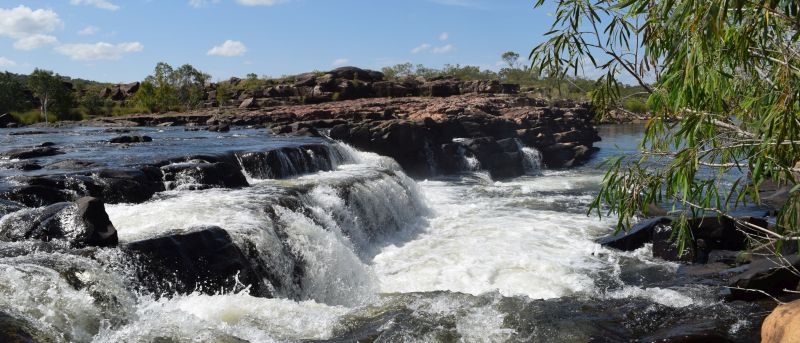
(459, 258)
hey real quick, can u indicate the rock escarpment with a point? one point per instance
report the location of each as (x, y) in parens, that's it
(426, 135)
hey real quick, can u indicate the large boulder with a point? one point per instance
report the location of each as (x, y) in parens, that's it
(83, 223)
(202, 260)
(353, 73)
(782, 325)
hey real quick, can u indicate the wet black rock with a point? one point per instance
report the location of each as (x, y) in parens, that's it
(73, 164)
(708, 233)
(502, 158)
(128, 186)
(29, 133)
(16, 330)
(223, 127)
(98, 229)
(767, 275)
(289, 162)
(26, 153)
(635, 238)
(204, 259)
(202, 174)
(130, 139)
(83, 223)
(36, 195)
(24, 165)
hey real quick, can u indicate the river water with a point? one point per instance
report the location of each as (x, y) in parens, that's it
(460, 258)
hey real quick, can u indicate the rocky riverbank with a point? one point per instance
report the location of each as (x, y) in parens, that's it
(426, 135)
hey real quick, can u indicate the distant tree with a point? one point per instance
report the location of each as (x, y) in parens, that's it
(398, 71)
(511, 59)
(12, 94)
(252, 82)
(51, 90)
(224, 91)
(92, 104)
(190, 85)
(146, 97)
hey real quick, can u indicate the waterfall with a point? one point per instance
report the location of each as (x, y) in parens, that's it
(531, 159)
(313, 235)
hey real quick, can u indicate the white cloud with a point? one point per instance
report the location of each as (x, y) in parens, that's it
(421, 48)
(101, 4)
(98, 51)
(5, 62)
(34, 42)
(29, 27)
(340, 62)
(89, 30)
(260, 2)
(230, 48)
(443, 49)
(444, 36)
(202, 3)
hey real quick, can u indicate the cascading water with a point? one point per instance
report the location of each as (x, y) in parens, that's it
(353, 249)
(531, 159)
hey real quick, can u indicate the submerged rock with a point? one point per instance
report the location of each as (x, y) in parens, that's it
(202, 174)
(204, 259)
(130, 139)
(26, 153)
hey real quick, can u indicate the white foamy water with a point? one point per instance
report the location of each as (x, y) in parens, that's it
(480, 242)
(226, 318)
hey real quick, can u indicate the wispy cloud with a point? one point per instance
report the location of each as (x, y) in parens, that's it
(89, 30)
(98, 51)
(444, 36)
(34, 42)
(202, 3)
(5, 62)
(230, 48)
(340, 62)
(421, 48)
(101, 4)
(444, 49)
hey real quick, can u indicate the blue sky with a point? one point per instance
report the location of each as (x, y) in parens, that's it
(122, 40)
